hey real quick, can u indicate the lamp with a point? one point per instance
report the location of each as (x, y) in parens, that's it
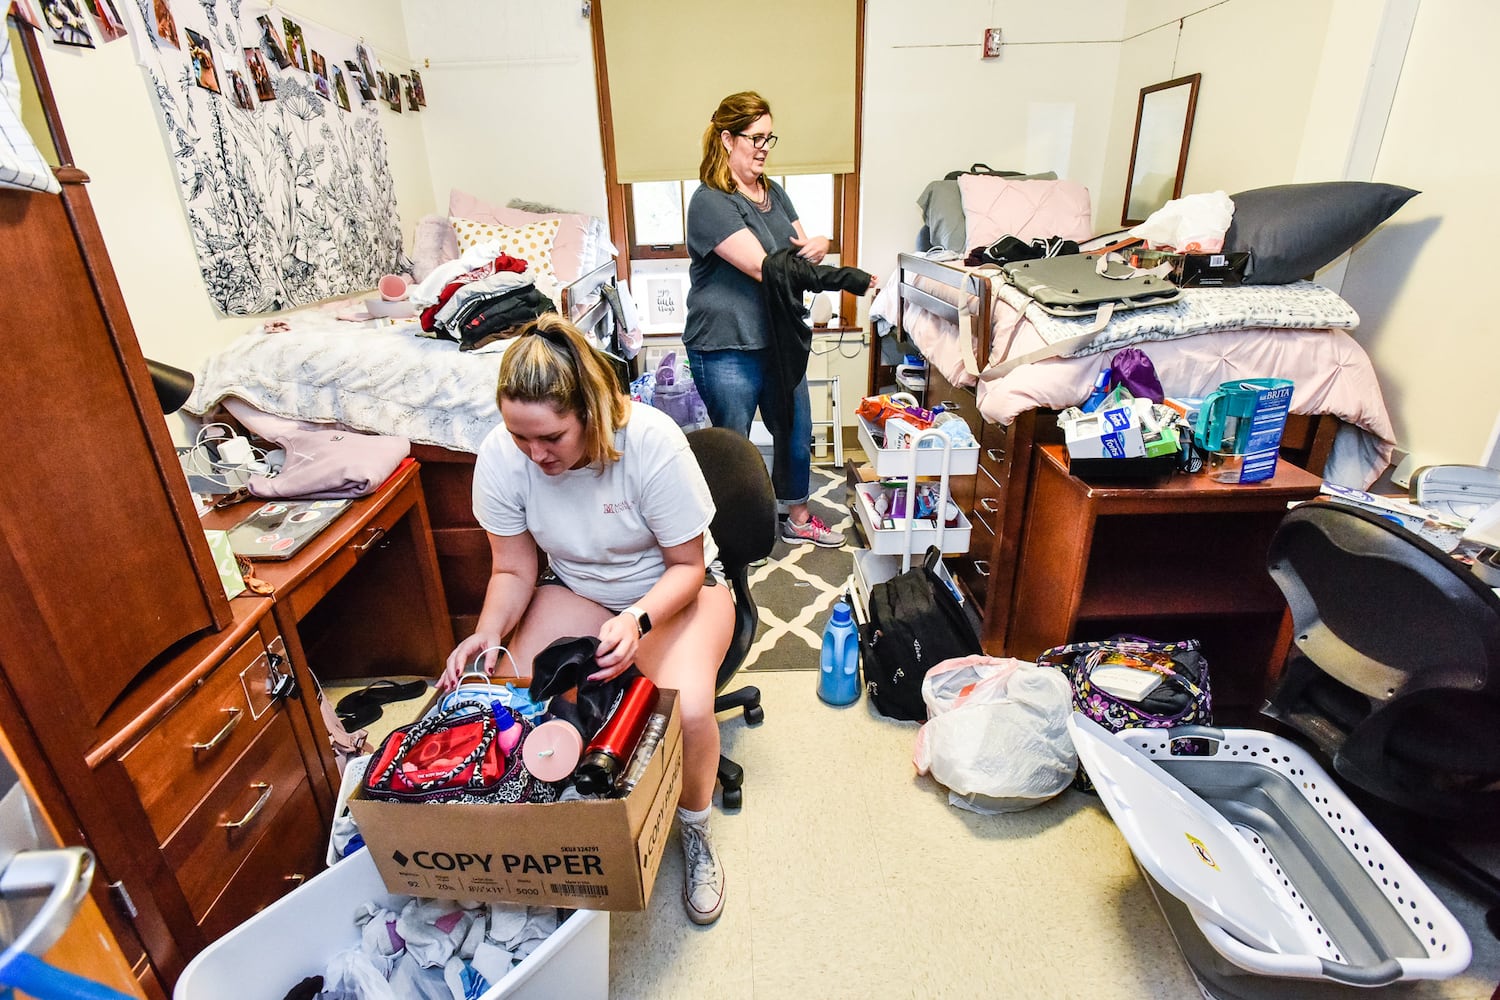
(172, 385)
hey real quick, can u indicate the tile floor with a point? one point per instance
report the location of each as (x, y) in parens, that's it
(849, 876)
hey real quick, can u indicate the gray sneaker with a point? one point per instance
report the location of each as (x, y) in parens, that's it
(703, 879)
(814, 531)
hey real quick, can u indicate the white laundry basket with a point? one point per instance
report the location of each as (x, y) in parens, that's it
(1278, 871)
(294, 938)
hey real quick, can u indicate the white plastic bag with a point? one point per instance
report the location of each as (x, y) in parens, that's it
(996, 733)
(1194, 223)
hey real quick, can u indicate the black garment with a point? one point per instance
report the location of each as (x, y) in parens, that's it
(784, 278)
(494, 317)
(1009, 248)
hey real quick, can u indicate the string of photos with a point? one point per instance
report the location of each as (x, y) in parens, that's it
(274, 127)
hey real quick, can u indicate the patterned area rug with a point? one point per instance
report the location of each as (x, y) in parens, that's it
(797, 587)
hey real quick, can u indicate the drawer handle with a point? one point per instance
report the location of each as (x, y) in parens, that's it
(982, 567)
(265, 796)
(296, 878)
(376, 534)
(223, 734)
(995, 454)
(990, 504)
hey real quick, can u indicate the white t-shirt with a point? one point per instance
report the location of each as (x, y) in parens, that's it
(603, 532)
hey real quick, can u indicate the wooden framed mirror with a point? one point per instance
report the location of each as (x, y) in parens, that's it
(1158, 153)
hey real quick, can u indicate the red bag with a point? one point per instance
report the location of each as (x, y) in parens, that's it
(441, 758)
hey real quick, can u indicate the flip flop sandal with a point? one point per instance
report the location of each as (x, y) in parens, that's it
(360, 708)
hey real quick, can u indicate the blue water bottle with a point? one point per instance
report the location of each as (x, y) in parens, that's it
(838, 676)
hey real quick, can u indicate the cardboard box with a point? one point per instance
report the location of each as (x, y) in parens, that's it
(602, 853)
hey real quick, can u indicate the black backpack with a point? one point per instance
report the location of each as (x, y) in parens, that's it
(915, 622)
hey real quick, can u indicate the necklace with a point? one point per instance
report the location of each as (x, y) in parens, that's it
(762, 202)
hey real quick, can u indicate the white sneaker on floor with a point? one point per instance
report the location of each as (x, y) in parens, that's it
(814, 531)
(703, 878)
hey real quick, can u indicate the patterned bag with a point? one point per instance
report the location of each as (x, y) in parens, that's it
(1182, 698)
(452, 757)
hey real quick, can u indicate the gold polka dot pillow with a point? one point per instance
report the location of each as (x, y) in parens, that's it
(532, 243)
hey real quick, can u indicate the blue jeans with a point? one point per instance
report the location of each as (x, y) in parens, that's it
(733, 385)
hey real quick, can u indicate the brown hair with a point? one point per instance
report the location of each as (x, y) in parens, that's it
(560, 367)
(734, 114)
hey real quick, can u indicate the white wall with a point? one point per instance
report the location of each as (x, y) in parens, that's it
(512, 108)
(1423, 284)
(932, 105)
(113, 131)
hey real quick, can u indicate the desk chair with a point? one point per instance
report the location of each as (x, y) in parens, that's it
(744, 527)
(1396, 647)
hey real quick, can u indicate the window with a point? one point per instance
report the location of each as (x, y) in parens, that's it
(656, 212)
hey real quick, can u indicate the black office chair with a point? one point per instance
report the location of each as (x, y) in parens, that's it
(1393, 678)
(744, 527)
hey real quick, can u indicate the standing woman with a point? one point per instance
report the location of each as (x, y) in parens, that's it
(610, 491)
(737, 216)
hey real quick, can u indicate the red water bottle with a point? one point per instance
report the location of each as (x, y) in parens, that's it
(607, 753)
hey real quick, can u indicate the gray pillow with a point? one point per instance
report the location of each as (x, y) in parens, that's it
(943, 210)
(1291, 230)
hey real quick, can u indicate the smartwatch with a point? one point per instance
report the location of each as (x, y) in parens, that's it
(642, 620)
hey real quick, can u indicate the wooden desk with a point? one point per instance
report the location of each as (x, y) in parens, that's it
(1182, 560)
(362, 599)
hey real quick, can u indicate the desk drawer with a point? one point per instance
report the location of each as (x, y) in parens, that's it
(290, 853)
(989, 506)
(221, 832)
(180, 758)
(973, 570)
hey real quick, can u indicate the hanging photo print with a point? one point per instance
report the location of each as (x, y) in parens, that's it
(270, 39)
(416, 86)
(27, 11)
(260, 75)
(320, 76)
(365, 93)
(411, 93)
(67, 23)
(367, 63)
(163, 24)
(203, 61)
(111, 26)
(296, 48)
(340, 92)
(241, 90)
(393, 91)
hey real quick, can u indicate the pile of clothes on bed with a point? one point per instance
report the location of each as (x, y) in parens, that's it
(481, 297)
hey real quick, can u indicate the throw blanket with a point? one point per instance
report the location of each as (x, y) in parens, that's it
(379, 377)
(1301, 305)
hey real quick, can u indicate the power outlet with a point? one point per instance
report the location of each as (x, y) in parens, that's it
(991, 44)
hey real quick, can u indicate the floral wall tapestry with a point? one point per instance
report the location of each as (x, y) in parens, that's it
(284, 179)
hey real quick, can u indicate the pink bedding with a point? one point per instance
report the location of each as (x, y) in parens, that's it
(1331, 372)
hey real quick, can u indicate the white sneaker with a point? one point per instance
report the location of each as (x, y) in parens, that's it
(703, 879)
(813, 530)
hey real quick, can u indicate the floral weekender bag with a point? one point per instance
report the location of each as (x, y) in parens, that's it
(1182, 696)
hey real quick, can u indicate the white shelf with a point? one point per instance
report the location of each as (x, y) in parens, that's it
(895, 540)
(889, 463)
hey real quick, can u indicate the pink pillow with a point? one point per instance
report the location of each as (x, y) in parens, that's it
(434, 243)
(996, 207)
(572, 230)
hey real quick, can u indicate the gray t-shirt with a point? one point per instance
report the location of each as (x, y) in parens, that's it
(724, 306)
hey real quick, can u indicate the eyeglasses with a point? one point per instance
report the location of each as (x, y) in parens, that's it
(759, 141)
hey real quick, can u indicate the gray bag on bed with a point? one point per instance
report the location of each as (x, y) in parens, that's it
(1082, 285)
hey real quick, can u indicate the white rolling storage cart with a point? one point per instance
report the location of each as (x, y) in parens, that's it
(891, 548)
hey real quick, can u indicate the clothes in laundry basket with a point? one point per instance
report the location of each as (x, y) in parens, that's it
(434, 949)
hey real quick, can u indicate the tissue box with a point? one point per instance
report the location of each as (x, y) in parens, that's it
(1111, 433)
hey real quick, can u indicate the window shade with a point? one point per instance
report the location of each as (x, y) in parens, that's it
(670, 62)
